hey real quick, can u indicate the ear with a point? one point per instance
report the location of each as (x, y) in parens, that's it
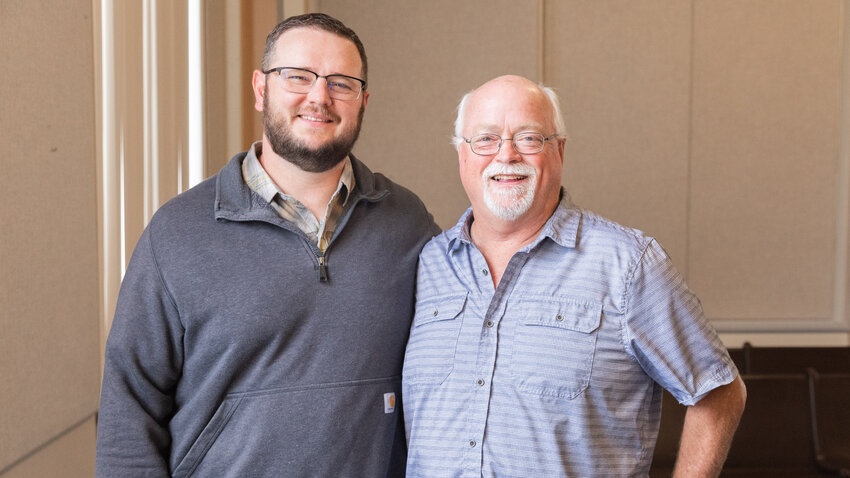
(258, 83)
(561, 143)
(365, 95)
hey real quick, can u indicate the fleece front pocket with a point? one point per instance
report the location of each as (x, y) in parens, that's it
(320, 429)
(208, 436)
(433, 339)
(554, 345)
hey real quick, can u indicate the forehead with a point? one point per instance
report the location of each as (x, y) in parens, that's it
(508, 106)
(319, 50)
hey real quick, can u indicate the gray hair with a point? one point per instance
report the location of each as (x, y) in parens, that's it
(550, 94)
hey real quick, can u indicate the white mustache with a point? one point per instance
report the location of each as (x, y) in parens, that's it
(515, 169)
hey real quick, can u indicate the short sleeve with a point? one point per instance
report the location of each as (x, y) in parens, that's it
(668, 334)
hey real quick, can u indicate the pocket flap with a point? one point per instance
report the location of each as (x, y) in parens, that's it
(580, 316)
(441, 308)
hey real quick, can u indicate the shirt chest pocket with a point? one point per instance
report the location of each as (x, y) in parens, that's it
(429, 358)
(553, 347)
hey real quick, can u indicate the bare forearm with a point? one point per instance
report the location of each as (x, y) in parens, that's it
(708, 431)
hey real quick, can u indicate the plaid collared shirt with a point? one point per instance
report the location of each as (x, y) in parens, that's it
(290, 208)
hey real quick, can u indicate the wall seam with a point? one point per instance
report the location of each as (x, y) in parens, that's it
(541, 41)
(690, 159)
(49, 442)
(840, 312)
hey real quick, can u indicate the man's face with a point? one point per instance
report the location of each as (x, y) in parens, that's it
(509, 186)
(312, 130)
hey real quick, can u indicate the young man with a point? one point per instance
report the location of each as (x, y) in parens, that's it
(261, 324)
(543, 332)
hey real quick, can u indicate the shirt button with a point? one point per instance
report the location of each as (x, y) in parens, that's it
(436, 312)
(480, 382)
(472, 443)
(558, 317)
(489, 323)
(484, 271)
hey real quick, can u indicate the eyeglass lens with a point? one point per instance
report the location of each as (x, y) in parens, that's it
(525, 143)
(301, 81)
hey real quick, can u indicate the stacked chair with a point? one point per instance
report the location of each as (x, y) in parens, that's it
(797, 419)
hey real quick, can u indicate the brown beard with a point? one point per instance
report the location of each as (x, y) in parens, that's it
(290, 148)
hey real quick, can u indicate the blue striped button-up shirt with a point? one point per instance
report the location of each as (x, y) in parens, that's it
(557, 371)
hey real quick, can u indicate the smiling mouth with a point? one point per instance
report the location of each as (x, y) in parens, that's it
(507, 178)
(315, 119)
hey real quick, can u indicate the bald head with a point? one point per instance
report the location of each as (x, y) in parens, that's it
(493, 88)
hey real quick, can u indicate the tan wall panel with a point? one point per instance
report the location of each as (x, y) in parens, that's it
(259, 17)
(766, 110)
(48, 242)
(622, 70)
(70, 456)
(422, 58)
(215, 87)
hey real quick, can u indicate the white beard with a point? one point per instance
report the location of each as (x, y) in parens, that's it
(509, 203)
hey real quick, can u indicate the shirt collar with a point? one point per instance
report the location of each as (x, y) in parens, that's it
(562, 227)
(259, 180)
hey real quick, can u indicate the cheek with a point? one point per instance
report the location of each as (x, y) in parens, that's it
(469, 176)
(549, 173)
(471, 167)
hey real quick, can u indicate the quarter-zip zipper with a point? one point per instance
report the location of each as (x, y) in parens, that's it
(323, 268)
(321, 261)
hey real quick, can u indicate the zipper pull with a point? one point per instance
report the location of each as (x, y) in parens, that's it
(323, 269)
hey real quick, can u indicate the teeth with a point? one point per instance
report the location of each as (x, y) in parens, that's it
(507, 178)
(312, 118)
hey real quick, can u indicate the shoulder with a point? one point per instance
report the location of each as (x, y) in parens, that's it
(374, 183)
(598, 231)
(395, 200)
(436, 247)
(189, 206)
(199, 203)
(435, 254)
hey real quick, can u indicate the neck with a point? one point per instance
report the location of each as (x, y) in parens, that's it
(498, 240)
(313, 190)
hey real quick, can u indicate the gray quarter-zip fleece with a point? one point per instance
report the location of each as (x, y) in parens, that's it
(229, 356)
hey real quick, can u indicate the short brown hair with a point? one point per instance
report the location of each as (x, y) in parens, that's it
(321, 22)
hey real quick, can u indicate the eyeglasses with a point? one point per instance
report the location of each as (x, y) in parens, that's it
(523, 143)
(299, 80)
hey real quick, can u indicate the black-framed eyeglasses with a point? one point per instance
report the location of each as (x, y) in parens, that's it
(523, 143)
(299, 80)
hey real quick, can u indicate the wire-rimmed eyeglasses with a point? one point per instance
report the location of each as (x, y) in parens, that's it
(299, 80)
(523, 143)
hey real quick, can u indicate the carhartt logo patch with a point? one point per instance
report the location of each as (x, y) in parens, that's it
(389, 402)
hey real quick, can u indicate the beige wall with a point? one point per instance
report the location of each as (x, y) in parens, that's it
(721, 128)
(48, 240)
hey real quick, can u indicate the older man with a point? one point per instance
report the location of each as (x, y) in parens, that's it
(261, 325)
(543, 333)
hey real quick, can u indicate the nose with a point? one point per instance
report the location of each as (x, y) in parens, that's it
(319, 92)
(507, 153)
